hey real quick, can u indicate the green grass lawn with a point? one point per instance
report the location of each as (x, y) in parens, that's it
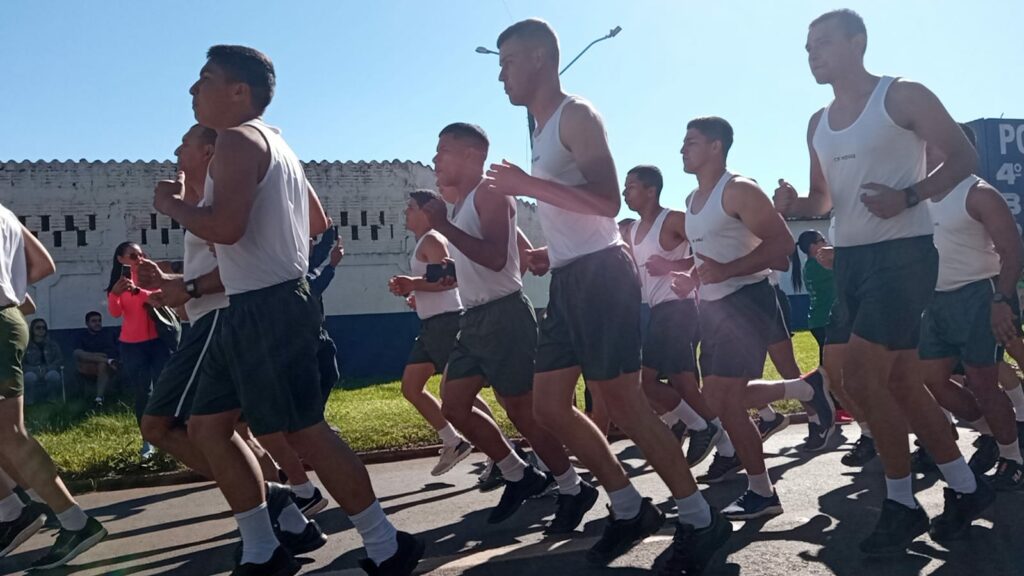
(86, 444)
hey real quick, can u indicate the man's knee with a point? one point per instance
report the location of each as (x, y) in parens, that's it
(205, 428)
(155, 428)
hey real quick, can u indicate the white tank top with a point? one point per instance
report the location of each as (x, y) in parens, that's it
(570, 235)
(430, 304)
(200, 260)
(13, 267)
(479, 284)
(275, 246)
(966, 251)
(656, 289)
(717, 235)
(872, 149)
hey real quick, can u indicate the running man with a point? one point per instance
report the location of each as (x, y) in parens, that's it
(25, 261)
(592, 323)
(262, 360)
(659, 246)
(867, 151)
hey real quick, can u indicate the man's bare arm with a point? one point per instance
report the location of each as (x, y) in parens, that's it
(38, 262)
(491, 250)
(317, 218)
(745, 200)
(818, 202)
(986, 205)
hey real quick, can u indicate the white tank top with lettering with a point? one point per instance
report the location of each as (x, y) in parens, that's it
(479, 284)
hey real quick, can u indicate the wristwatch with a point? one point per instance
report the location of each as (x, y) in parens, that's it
(912, 198)
(192, 289)
(1000, 298)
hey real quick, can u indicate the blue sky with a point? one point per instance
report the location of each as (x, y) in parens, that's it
(376, 80)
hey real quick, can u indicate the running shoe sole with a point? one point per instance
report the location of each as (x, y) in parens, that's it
(25, 534)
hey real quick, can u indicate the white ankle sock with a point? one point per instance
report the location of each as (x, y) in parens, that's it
(568, 482)
(73, 518)
(512, 467)
(379, 536)
(814, 418)
(291, 519)
(761, 484)
(689, 417)
(1011, 452)
(305, 490)
(1017, 397)
(981, 425)
(670, 418)
(449, 436)
(798, 389)
(959, 476)
(724, 444)
(625, 503)
(767, 414)
(694, 510)
(258, 539)
(10, 508)
(900, 490)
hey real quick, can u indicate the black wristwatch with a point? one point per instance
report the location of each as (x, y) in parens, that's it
(1000, 298)
(911, 195)
(192, 289)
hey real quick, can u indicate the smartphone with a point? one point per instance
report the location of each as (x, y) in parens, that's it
(126, 272)
(435, 272)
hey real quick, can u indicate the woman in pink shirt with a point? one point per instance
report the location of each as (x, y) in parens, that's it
(143, 354)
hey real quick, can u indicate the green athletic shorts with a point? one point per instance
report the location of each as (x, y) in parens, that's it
(735, 332)
(13, 341)
(175, 389)
(957, 324)
(435, 340)
(263, 360)
(497, 340)
(593, 317)
(882, 289)
(670, 344)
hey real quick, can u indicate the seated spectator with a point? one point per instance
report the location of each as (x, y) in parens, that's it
(96, 354)
(42, 363)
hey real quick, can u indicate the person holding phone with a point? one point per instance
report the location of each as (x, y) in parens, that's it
(143, 354)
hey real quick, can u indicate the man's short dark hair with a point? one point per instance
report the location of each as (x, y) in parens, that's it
(849, 21)
(714, 128)
(92, 313)
(650, 175)
(422, 196)
(248, 66)
(532, 30)
(971, 136)
(466, 131)
(206, 135)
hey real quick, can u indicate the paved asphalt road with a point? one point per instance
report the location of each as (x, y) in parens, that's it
(186, 530)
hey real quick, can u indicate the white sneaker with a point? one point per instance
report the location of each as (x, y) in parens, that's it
(450, 456)
(147, 452)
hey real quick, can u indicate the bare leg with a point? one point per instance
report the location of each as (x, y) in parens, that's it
(233, 465)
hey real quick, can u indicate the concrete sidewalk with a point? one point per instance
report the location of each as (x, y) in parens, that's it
(187, 530)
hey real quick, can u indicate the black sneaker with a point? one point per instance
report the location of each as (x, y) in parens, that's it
(310, 539)
(679, 431)
(1009, 476)
(70, 544)
(897, 527)
(821, 401)
(279, 496)
(817, 438)
(13, 533)
(310, 506)
(516, 493)
(752, 505)
(768, 428)
(692, 549)
(960, 510)
(621, 535)
(490, 479)
(721, 466)
(550, 487)
(921, 462)
(404, 561)
(280, 563)
(569, 510)
(702, 442)
(985, 457)
(863, 451)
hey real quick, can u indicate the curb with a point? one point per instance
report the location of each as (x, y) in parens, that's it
(189, 477)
